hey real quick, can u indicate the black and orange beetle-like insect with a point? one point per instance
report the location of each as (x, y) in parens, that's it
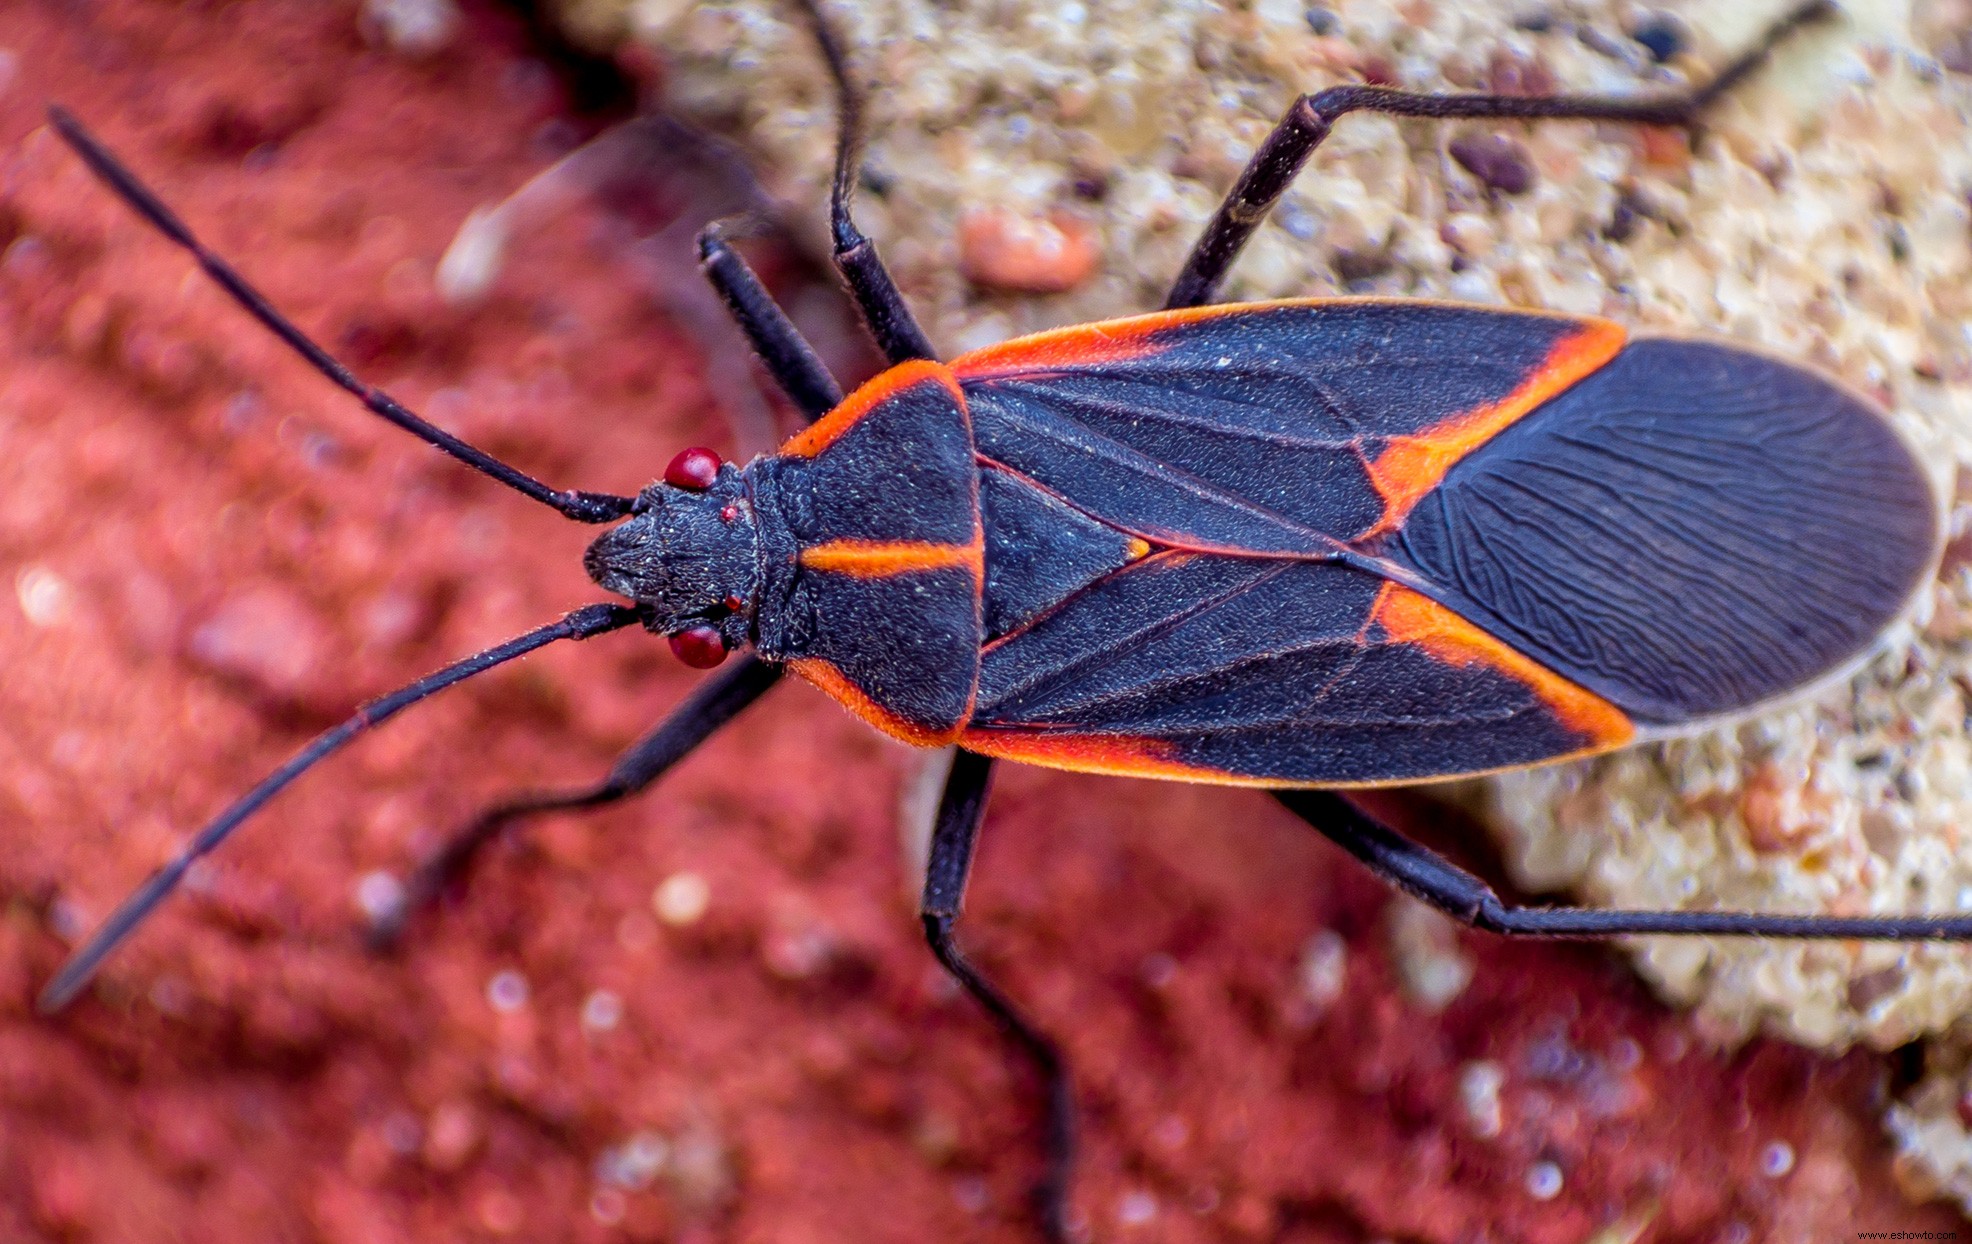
(1303, 544)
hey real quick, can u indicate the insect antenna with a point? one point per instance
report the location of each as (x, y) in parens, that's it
(583, 623)
(583, 507)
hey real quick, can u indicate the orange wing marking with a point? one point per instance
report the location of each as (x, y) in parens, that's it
(1117, 755)
(1126, 756)
(836, 684)
(1409, 618)
(1110, 341)
(1133, 337)
(1411, 466)
(825, 431)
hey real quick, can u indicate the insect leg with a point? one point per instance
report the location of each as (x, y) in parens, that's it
(884, 312)
(712, 704)
(1281, 155)
(960, 809)
(788, 358)
(1428, 876)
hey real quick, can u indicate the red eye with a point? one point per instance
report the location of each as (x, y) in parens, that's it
(695, 468)
(701, 647)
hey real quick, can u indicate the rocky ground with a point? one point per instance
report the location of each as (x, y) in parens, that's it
(706, 1016)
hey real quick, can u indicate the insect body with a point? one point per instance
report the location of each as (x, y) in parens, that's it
(1291, 544)
(1322, 542)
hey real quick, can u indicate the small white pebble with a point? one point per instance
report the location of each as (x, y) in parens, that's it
(1432, 967)
(636, 1162)
(602, 1011)
(379, 895)
(413, 27)
(43, 596)
(1324, 968)
(507, 991)
(1136, 1209)
(681, 899)
(1777, 1159)
(1544, 1181)
(646, 1153)
(1479, 1084)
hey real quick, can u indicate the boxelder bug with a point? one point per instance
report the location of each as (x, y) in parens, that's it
(1303, 544)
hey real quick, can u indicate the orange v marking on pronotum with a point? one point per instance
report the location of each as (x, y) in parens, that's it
(832, 426)
(827, 677)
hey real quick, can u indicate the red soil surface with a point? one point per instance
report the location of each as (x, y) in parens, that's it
(212, 555)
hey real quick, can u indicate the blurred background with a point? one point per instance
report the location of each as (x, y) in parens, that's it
(707, 1016)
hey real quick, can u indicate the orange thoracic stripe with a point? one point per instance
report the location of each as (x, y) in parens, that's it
(1411, 466)
(1409, 618)
(833, 682)
(825, 431)
(878, 559)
